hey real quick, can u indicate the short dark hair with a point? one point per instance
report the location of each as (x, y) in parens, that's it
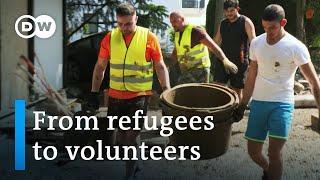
(230, 4)
(273, 12)
(125, 9)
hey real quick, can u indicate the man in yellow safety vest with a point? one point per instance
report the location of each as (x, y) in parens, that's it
(191, 51)
(133, 52)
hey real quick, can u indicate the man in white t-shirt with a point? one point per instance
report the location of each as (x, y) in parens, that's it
(275, 57)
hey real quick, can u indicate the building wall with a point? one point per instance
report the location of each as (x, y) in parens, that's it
(12, 46)
(193, 16)
(50, 51)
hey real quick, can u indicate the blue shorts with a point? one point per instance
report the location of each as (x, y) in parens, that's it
(269, 118)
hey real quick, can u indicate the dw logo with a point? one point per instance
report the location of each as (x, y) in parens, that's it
(43, 26)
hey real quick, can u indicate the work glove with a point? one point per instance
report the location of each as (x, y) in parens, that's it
(229, 66)
(93, 101)
(238, 113)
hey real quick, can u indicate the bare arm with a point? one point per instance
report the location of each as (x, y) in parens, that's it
(213, 47)
(163, 74)
(251, 33)
(98, 74)
(310, 74)
(250, 82)
(217, 38)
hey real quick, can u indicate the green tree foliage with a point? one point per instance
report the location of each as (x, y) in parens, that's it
(150, 15)
(313, 24)
(153, 16)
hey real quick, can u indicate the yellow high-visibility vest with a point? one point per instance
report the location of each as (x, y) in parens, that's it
(129, 69)
(196, 57)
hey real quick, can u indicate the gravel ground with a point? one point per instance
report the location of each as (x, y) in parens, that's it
(301, 160)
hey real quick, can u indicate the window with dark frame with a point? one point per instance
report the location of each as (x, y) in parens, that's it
(193, 3)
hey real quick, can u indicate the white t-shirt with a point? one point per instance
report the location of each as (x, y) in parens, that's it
(277, 65)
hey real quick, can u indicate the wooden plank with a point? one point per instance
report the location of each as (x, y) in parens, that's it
(304, 101)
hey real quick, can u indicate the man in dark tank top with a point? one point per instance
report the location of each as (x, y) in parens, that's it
(234, 35)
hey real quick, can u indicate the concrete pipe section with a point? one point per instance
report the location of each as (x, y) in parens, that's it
(202, 100)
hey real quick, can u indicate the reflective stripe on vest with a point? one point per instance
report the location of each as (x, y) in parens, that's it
(129, 69)
(196, 57)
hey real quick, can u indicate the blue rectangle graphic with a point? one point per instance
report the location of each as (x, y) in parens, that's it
(20, 141)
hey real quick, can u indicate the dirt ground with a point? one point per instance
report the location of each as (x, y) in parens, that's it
(301, 160)
(301, 156)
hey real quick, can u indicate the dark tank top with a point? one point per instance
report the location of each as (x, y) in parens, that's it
(235, 40)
